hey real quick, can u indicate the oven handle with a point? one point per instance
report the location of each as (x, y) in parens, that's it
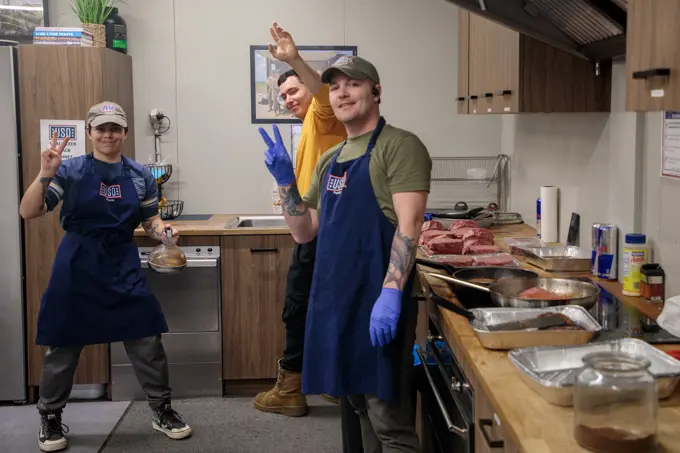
(202, 262)
(451, 427)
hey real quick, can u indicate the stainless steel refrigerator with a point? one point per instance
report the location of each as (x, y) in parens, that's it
(12, 307)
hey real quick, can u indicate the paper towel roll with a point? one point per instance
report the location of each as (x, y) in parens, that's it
(549, 220)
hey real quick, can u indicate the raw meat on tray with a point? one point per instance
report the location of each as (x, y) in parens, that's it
(463, 224)
(460, 232)
(456, 260)
(432, 225)
(444, 246)
(502, 259)
(482, 236)
(480, 249)
(427, 236)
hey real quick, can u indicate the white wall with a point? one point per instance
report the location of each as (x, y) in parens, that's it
(195, 66)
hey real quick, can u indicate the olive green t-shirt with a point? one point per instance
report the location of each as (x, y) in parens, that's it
(400, 162)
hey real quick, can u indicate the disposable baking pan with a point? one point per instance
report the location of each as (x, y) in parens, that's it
(550, 371)
(559, 258)
(504, 340)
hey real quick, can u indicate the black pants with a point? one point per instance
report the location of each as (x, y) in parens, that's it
(148, 361)
(298, 287)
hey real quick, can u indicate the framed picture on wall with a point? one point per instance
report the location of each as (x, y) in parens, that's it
(266, 106)
(18, 19)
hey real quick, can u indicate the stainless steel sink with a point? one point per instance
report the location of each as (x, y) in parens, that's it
(273, 221)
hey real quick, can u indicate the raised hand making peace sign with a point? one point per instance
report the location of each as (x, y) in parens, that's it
(50, 158)
(277, 158)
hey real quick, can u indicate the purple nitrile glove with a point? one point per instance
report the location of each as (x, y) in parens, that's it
(277, 158)
(385, 317)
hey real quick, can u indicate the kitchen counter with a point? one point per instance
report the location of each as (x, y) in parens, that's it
(217, 225)
(531, 423)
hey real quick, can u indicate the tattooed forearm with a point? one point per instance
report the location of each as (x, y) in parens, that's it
(291, 200)
(153, 229)
(45, 183)
(402, 258)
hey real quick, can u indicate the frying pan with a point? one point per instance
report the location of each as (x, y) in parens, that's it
(470, 297)
(504, 292)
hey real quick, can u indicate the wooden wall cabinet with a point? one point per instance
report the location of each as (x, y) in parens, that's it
(59, 82)
(503, 71)
(653, 55)
(254, 273)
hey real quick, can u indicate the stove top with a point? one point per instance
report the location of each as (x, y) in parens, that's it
(619, 320)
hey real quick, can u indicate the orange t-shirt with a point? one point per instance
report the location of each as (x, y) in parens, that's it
(321, 131)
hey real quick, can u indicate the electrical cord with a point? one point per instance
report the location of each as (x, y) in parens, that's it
(169, 125)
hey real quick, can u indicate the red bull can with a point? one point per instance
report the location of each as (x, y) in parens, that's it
(607, 251)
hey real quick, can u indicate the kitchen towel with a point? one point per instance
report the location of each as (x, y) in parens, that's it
(549, 217)
(669, 319)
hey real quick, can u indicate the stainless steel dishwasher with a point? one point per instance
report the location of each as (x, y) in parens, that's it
(191, 302)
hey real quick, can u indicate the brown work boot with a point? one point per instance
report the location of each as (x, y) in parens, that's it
(286, 397)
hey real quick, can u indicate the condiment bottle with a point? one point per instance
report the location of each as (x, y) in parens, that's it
(653, 283)
(615, 404)
(635, 254)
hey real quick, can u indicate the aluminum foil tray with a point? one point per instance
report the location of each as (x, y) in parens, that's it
(489, 316)
(559, 258)
(550, 371)
(504, 340)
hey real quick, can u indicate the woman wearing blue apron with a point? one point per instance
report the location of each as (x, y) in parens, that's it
(97, 292)
(365, 207)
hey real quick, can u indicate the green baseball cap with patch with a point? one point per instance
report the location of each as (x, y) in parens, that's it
(354, 67)
(107, 112)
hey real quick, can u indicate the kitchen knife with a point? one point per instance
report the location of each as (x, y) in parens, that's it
(533, 323)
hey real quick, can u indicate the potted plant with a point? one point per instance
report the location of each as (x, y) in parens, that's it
(92, 14)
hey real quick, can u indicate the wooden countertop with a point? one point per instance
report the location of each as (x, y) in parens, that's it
(534, 425)
(217, 225)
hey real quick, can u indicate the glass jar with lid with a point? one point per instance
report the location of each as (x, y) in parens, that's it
(615, 404)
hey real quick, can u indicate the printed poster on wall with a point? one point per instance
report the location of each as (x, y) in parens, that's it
(64, 128)
(670, 145)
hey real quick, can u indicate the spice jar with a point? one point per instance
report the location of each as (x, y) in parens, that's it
(615, 404)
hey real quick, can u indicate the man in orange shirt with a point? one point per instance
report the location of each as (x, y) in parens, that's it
(307, 98)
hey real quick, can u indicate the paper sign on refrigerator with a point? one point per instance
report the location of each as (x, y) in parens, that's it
(75, 129)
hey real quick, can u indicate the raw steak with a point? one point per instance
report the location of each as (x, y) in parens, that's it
(460, 232)
(541, 294)
(427, 236)
(478, 249)
(463, 224)
(502, 259)
(432, 225)
(479, 233)
(456, 260)
(445, 246)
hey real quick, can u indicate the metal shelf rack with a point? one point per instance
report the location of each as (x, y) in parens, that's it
(453, 171)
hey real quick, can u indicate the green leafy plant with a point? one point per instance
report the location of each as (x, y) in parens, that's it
(93, 11)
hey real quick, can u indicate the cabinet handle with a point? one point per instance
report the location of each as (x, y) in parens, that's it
(504, 92)
(473, 97)
(660, 72)
(256, 250)
(483, 424)
(460, 99)
(488, 95)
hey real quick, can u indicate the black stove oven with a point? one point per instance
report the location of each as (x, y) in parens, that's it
(447, 399)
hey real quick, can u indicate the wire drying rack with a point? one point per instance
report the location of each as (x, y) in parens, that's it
(477, 181)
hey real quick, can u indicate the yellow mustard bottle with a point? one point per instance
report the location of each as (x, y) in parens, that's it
(635, 254)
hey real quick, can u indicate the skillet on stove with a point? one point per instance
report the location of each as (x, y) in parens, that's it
(483, 275)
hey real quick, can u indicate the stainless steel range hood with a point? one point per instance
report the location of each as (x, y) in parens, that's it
(590, 29)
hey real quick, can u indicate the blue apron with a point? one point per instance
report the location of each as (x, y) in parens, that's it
(352, 256)
(97, 292)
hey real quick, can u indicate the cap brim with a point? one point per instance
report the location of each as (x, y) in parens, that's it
(98, 121)
(328, 74)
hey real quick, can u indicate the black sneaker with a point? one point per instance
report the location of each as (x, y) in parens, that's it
(51, 434)
(170, 423)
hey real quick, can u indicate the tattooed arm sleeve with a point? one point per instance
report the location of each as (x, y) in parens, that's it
(410, 209)
(300, 217)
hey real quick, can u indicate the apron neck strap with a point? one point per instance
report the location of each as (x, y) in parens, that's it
(374, 137)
